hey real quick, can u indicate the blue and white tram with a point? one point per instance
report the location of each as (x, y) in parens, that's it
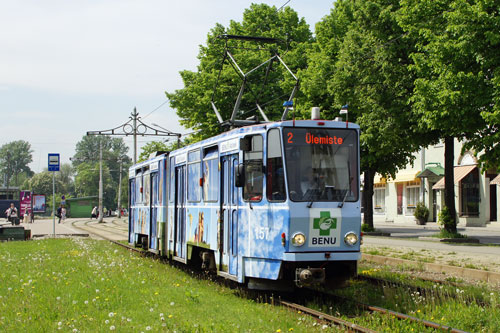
(269, 204)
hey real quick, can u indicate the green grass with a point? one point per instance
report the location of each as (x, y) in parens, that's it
(89, 286)
(474, 308)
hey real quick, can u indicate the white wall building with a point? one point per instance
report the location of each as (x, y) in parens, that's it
(477, 194)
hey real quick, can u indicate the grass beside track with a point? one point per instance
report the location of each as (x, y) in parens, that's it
(84, 285)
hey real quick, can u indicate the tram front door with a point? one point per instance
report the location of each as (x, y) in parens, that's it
(228, 224)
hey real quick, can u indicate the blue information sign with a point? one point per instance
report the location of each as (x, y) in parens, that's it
(54, 162)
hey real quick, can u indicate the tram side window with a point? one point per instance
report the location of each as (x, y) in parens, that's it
(138, 188)
(275, 183)
(147, 189)
(171, 183)
(254, 177)
(210, 175)
(194, 168)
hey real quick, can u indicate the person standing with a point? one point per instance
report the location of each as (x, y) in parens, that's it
(11, 213)
(94, 213)
(26, 216)
(63, 213)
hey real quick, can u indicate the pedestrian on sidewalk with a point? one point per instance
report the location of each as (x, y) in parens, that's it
(63, 213)
(59, 214)
(26, 216)
(94, 213)
(11, 213)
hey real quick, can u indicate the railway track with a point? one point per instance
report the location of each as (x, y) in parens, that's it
(323, 317)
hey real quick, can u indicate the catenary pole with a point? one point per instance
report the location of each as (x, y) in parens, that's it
(100, 183)
(120, 191)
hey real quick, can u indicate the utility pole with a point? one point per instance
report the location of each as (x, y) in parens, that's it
(120, 191)
(100, 184)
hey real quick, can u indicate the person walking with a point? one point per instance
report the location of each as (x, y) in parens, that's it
(59, 213)
(11, 213)
(94, 213)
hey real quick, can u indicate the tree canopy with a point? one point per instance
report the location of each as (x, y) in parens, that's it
(193, 101)
(15, 158)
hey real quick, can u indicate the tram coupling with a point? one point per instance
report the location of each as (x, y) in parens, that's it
(309, 276)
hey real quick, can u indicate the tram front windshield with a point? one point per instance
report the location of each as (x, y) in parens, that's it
(322, 164)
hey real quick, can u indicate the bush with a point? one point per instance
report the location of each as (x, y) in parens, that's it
(367, 228)
(445, 219)
(421, 213)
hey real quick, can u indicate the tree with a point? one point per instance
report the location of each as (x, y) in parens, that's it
(457, 71)
(15, 158)
(361, 57)
(86, 164)
(193, 101)
(153, 147)
(40, 183)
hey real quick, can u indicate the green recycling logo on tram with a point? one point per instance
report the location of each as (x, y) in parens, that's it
(325, 223)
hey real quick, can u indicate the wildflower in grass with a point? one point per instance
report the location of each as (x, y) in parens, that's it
(112, 328)
(151, 309)
(290, 329)
(106, 321)
(97, 290)
(278, 330)
(86, 302)
(324, 327)
(148, 328)
(59, 324)
(58, 298)
(172, 303)
(111, 314)
(170, 316)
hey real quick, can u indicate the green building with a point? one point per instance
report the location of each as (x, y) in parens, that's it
(81, 207)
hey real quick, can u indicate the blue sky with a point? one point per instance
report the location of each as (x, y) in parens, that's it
(68, 67)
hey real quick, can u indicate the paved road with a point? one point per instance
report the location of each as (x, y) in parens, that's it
(401, 234)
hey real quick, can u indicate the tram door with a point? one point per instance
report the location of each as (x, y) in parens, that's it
(153, 232)
(180, 212)
(228, 228)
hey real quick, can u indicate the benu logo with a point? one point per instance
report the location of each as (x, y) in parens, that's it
(325, 223)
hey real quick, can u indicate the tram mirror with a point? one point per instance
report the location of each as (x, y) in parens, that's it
(246, 143)
(239, 180)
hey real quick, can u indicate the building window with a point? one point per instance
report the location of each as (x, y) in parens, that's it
(469, 194)
(412, 197)
(379, 199)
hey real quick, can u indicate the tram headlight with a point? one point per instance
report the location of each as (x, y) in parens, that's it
(298, 239)
(351, 238)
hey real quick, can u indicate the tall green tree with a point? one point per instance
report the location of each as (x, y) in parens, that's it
(15, 158)
(86, 164)
(192, 102)
(361, 58)
(41, 183)
(457, 73)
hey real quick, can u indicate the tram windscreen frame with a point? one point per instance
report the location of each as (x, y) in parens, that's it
(321, 164)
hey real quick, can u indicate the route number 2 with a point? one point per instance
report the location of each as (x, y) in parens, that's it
(290, 137)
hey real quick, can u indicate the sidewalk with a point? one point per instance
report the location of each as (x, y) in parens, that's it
(45, 227)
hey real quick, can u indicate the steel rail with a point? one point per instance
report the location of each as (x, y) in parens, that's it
(323, 316)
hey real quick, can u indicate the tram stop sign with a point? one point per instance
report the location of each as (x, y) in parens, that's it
(54, 162)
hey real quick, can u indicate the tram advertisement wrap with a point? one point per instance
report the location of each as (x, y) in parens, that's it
(324, 227)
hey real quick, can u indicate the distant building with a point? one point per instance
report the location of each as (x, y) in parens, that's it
(477, 194)
(81, 207)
